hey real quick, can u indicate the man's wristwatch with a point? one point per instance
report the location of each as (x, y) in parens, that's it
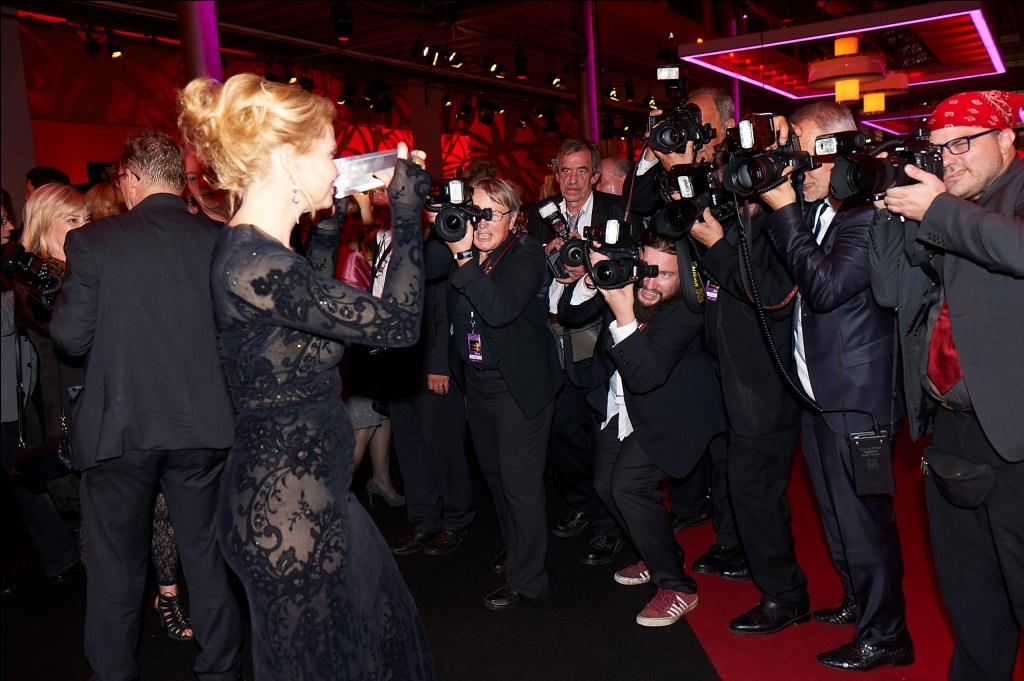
(464, 255)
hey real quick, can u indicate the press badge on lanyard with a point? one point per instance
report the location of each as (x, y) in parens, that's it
(711, 289)
(473, 345)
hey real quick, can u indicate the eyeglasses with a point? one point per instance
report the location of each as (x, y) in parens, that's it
(117, 179)
(497, 215)
(961, 145)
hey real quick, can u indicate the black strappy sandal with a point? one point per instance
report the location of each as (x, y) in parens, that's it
(172, 617)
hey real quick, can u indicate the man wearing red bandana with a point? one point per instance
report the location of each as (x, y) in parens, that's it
(948, 254)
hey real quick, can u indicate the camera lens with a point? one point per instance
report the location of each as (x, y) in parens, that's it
(450, 224)
(572, 253)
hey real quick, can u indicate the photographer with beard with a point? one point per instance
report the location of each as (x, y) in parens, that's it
(762, 415)
(651, 388)
(949, 256)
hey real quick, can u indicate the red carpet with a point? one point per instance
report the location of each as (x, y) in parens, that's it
(789, 655)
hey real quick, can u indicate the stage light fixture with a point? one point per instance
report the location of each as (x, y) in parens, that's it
(490, 66)
(341, 19)
(113, 47)
(456, 60)
(446, 99)
(290, 77)
(523, 122)
(611, 93)
(554, 79)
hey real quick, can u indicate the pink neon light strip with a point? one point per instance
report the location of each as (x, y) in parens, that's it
(976, 16)
(877, 122)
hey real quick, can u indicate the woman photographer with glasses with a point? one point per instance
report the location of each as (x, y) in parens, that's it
(500, 349)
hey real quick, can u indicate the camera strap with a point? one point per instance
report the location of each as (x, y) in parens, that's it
(492, 261)
(692, 284)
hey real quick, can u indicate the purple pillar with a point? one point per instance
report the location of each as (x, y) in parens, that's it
(587, 94)
(200, 42)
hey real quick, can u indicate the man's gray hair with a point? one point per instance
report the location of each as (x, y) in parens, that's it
(572, 146)
(828, 115)
(156, 158)
(723, 103)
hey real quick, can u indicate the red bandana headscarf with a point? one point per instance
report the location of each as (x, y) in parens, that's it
(993, 109)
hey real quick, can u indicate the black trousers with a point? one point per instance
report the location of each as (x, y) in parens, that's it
(117, 516)
(511, 450)
(571, 459)
(759, 468)
(429, 432)
(860, 531)
(631, 485)
(979, 556)
(55, 545)
(688, 495)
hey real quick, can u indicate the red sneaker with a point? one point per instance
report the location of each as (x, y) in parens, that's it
(634, 574)
(666, 608)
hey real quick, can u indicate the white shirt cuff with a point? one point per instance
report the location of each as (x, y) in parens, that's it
(581, 293)
(621, 333)
(644, 165)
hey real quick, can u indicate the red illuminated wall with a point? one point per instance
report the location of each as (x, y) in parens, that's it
(83, 106)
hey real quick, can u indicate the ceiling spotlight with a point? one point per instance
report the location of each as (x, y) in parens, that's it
(651, 104)
(92, 46)
(520, 63)
(456, 60)
(523, 122)
(446, 99)
(435, 56)
(489, 65)
(554, 79)
(341, 19)
(425, 51)
(347, 95)
(113, 47)
(500, 73)
(290, 77)
(611, 93)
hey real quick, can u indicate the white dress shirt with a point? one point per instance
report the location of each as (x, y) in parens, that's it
(555, 290)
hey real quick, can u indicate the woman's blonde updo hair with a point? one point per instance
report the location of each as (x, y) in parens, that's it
(49, 202)
(234, 126)
(103, 201)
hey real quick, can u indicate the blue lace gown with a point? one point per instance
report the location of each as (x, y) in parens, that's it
(326, 598)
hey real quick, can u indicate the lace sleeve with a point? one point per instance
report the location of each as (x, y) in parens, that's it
(285, 287)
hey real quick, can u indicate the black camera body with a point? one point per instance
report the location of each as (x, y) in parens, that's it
(43, 285)
(455, 210)
(549, 213)
(671, 132)
(860, 173)
(624, 265)
(699, 188)
(753, 166)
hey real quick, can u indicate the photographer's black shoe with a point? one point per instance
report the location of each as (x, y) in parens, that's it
(601, 550)
(768, 617)
(859, 656)
(699, 518)
(571, 525)
(845, 614)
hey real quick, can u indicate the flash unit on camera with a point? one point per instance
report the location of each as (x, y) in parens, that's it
(686, 187)
(825, 145)
(668, 73)
(746, 134)
(547, 209)
(456, 191)
(611, 232)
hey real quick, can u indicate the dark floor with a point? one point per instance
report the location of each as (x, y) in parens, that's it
(585, 630)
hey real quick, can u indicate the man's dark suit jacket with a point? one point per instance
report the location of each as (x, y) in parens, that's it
(982, 274)
(848, 340)
(137, 300)
(511, 305)
(671, 393)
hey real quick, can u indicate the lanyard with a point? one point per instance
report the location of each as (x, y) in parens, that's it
(492, 262)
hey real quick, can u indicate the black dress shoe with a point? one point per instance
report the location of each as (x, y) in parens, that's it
(504, 598)
(860, 656)
(571, 525)
(445, 542)
(768, 617)
(411, 543)
(846, 613)
(738, 570)
(699, 518)
(500, 562)
(601, 550)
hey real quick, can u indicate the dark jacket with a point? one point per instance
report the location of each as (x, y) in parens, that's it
(671, 393)
(982, 275)
(756, 399)
(848, 337)
(511, 305)
(606, 207)
(136, 301)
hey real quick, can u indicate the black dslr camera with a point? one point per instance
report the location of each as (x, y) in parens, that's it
(859, 173)
(753, 167)
(624, 265)
(454, 210)
(43, 285)
(550, 214)
(670, 132)
(699, 187)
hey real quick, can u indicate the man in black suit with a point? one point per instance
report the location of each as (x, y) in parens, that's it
(948, 255)
(577, 169)
(428, 424)
(843, 347)
(656, 406)
(154, 412)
